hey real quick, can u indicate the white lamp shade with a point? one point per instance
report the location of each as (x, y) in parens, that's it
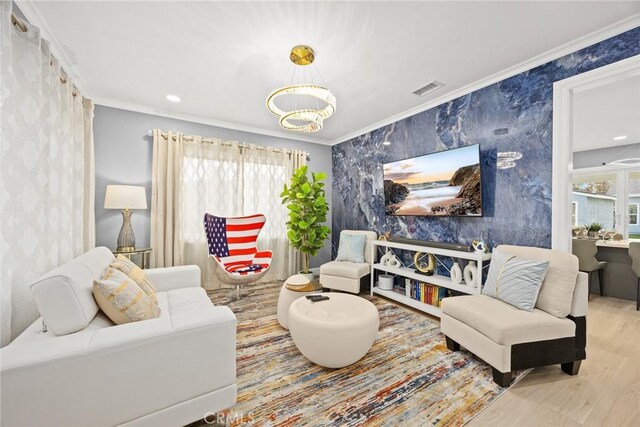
(125, 197)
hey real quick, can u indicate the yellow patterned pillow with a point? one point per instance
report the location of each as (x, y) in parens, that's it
(125, 265)
(122, 300)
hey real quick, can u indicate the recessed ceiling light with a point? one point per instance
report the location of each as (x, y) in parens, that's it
(386, 143)
(174, 98)
(620, 138)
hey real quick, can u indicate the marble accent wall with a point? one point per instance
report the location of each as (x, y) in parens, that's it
(512, 115)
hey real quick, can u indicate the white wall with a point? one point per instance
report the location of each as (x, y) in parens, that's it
(124, 152)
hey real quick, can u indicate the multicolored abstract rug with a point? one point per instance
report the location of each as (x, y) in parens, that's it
(407, 378)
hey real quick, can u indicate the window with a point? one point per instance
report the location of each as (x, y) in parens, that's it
(633, 214)
(607, 197)
(597, 197)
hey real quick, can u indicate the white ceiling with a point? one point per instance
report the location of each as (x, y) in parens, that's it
(604, 112)
(224, 58)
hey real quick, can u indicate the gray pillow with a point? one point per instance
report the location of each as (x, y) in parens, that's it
(514, 280)
(351, 247)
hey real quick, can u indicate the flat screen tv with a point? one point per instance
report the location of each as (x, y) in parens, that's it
(446, 183)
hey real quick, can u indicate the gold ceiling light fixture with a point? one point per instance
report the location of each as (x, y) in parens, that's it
(309, 116)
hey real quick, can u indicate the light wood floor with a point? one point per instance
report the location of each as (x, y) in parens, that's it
(606, 392)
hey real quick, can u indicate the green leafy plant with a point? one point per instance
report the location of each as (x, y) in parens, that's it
(594, 227)
(305, 200)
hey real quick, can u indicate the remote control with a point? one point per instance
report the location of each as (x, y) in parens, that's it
(321, 298)
(312, 297)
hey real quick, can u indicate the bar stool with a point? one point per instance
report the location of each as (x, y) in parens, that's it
(586, 251)
(634, 253)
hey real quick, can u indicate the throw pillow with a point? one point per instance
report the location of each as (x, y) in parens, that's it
(122, 300)
(351, 247)
(514, 280)
(125, 265)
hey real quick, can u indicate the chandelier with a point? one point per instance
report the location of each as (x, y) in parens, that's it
(306, 118)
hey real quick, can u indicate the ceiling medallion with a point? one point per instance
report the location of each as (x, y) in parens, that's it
(304, 119)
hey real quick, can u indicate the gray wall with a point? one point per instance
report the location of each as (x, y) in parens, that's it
(123, 152)
(592, 158)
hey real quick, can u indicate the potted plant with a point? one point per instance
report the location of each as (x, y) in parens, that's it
(305, 200)
(593, 229)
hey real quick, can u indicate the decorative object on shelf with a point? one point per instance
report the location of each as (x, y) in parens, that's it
(617, 237)
(126, 198)
(309, 113)
(390, 259)
(385, 282)
(479, 246)
(385, 236)
(423, 267)
(456, 273)
(470, 274)
(305, 200)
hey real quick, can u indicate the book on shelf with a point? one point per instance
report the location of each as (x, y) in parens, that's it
(424, 292)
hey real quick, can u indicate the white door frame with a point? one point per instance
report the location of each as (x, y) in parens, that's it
(563, 91)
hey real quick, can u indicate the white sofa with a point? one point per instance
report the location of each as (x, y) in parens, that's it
(86, 371)
(347, 276)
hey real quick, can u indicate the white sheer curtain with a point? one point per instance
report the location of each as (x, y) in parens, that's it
(228, 178)
(46, 169)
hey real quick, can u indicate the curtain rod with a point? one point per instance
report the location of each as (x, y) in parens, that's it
(240, 144)
(22, 27)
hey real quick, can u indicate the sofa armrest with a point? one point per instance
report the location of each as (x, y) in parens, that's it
(580, 303)
(168, 278)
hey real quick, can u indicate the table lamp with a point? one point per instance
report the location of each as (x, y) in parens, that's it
(126, 198)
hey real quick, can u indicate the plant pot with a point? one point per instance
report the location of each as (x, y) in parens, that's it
(308, 275)
(593, 234)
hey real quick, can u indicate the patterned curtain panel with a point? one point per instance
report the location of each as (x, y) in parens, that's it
(224, 178)
(46, 169)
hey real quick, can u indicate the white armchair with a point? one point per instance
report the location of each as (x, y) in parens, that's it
(348, 276)
(166, 371)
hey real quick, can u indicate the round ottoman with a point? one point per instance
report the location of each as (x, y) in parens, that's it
(334, 333)
(295, 287)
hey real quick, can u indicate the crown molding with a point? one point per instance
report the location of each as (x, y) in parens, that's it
(30, 11)
(204, 120)
(550, 55)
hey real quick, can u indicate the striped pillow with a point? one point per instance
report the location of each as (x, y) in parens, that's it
(351, 247)
(514, 280)
(136, 274)
(122, 300)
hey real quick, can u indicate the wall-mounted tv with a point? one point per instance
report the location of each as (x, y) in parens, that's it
(446, 183)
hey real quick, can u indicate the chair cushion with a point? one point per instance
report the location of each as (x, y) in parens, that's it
(514, 280)
(64, 296)
(122, 300)
(351, 247)
(351, 270)
(556, 293)
(504, 323)
(136, 274)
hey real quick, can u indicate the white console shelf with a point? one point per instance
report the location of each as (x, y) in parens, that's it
(439, 280)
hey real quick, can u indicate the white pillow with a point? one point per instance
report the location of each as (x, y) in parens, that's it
(351, 247)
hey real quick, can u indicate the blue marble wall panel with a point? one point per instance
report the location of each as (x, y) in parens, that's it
(512, 115)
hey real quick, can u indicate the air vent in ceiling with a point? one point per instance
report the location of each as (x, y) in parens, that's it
(429, 87)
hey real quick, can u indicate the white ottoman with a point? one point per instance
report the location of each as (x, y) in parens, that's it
(295, 287)
(334, 333)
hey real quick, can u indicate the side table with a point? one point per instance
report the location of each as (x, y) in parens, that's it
(143, 252)
(288, 294)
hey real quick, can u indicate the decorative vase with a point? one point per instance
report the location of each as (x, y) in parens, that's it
(456, 273)
(470, 274)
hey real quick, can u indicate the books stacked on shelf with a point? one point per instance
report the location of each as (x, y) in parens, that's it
(425, 292)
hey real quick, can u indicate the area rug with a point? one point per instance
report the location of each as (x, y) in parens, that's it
(407, 378)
